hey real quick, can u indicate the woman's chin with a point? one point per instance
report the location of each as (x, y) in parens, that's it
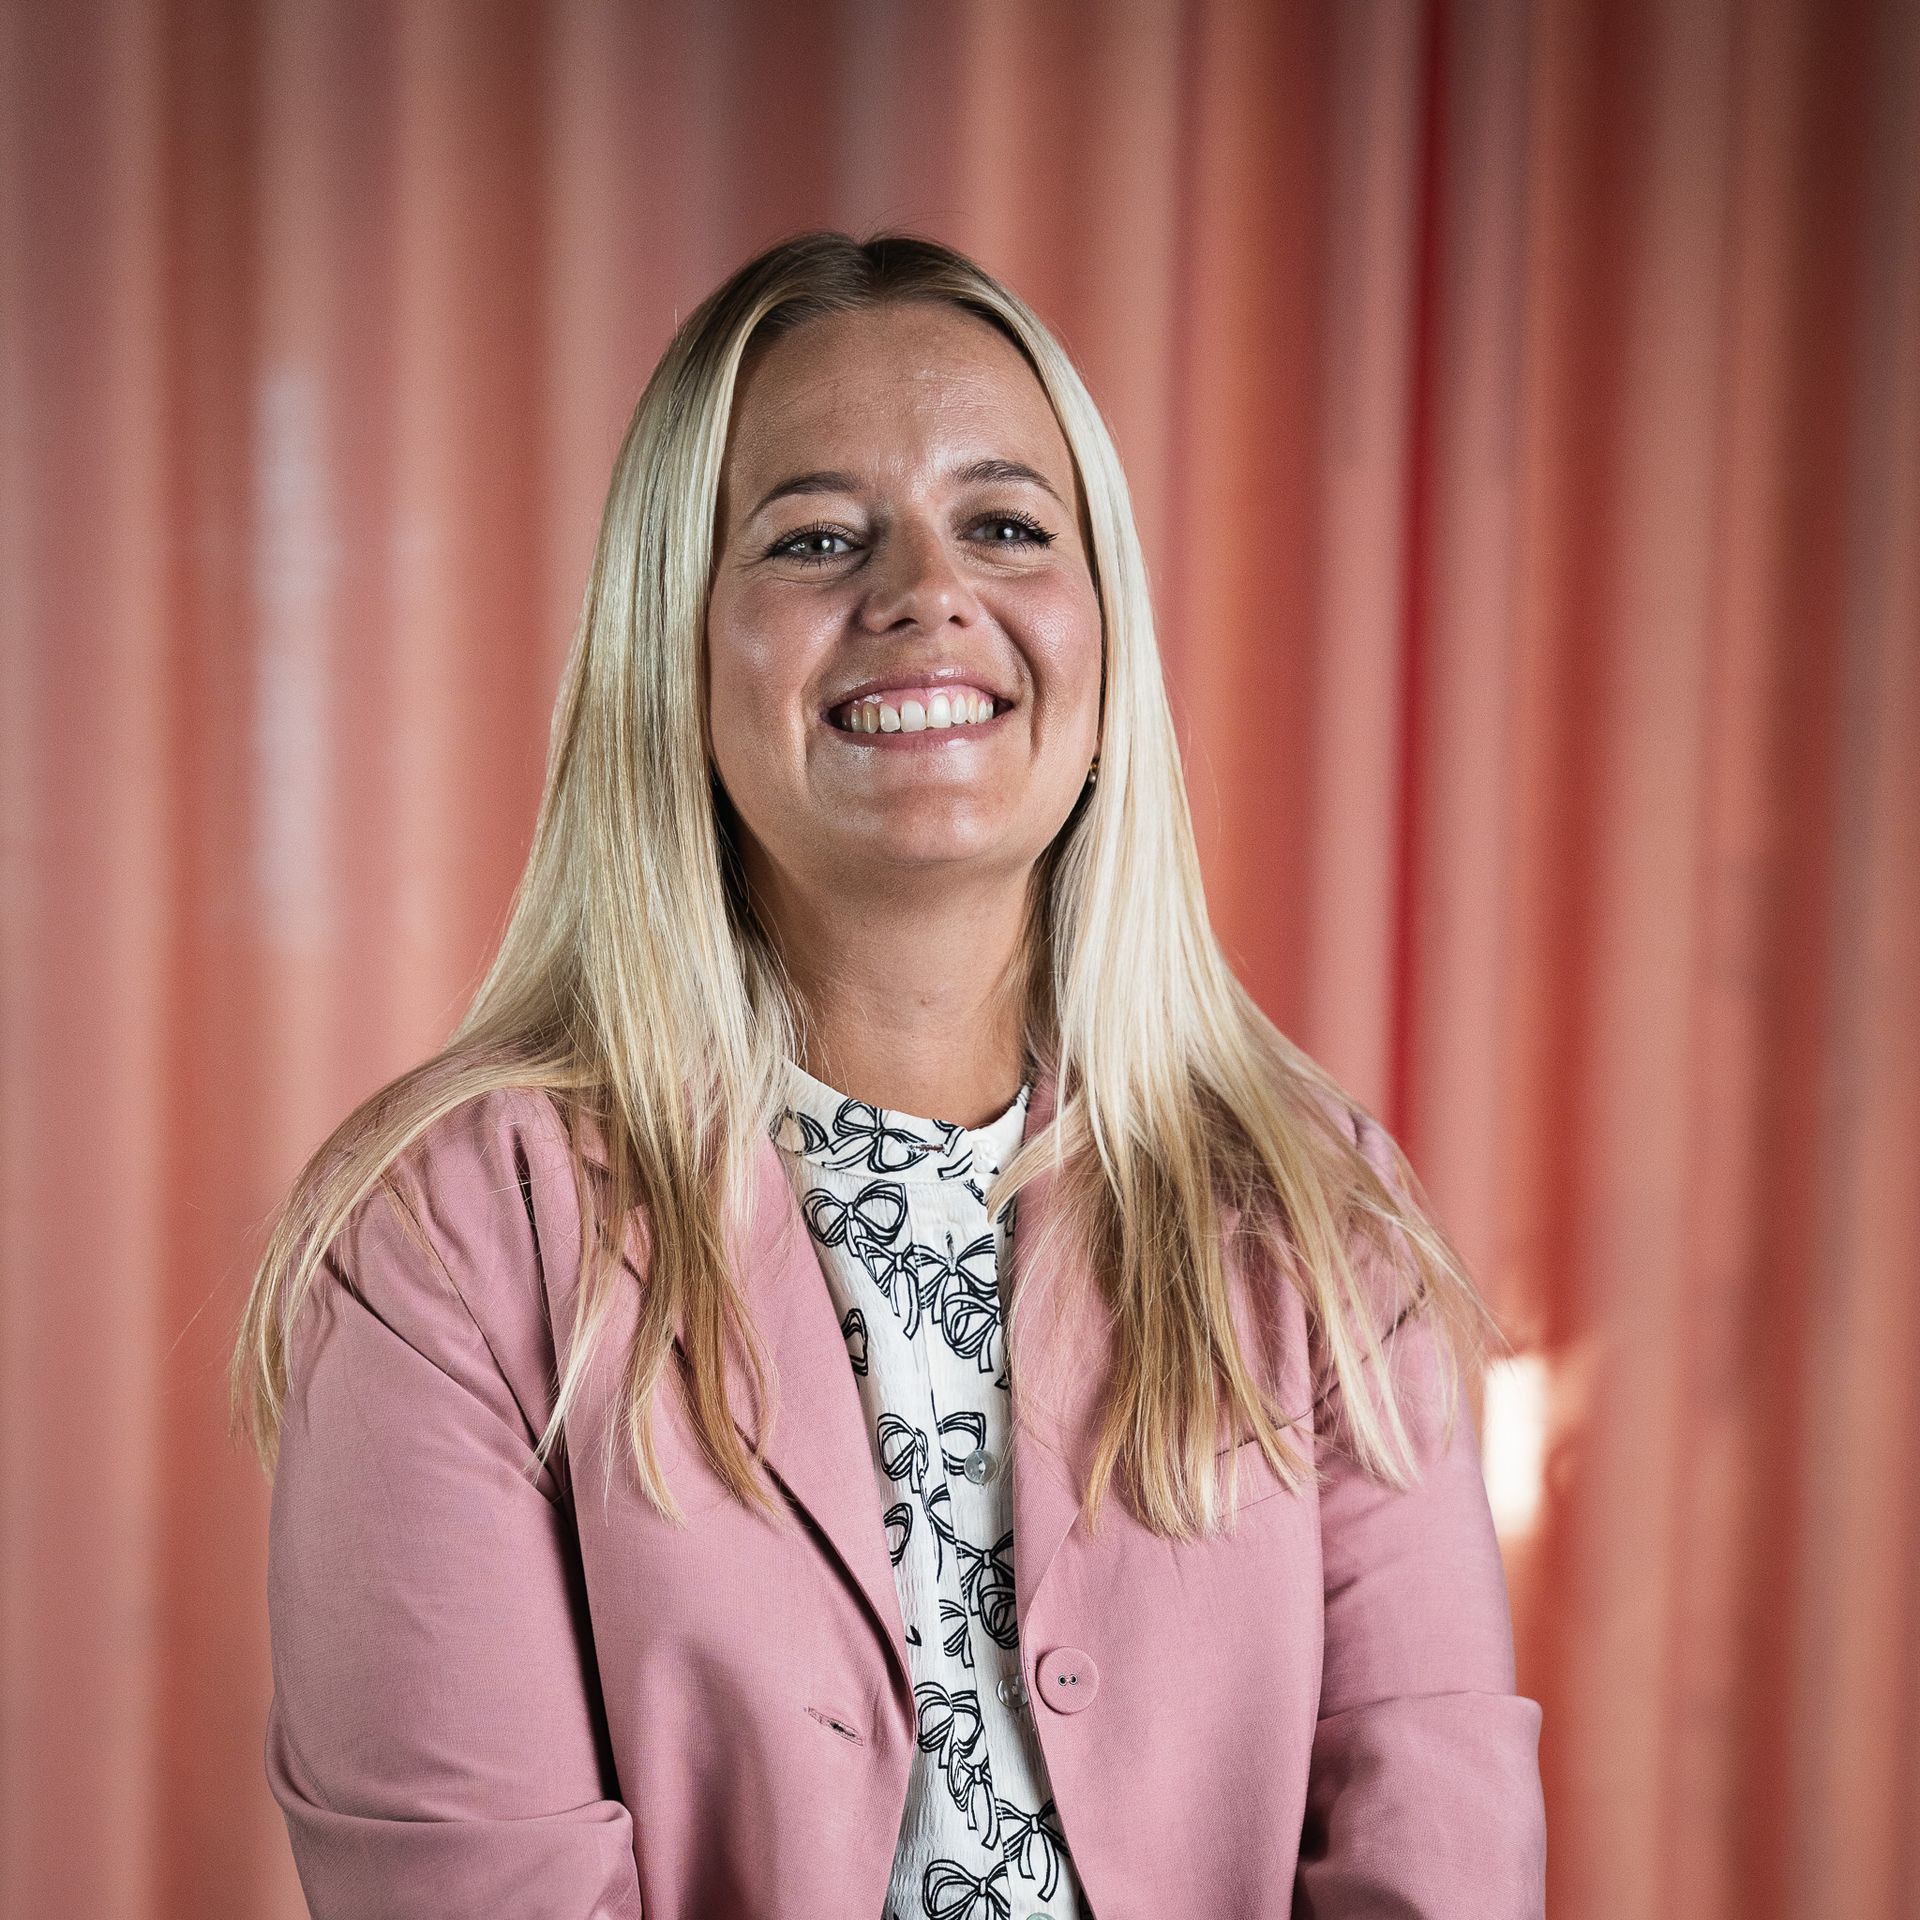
(949, 834)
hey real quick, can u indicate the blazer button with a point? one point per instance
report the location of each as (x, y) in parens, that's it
(1068, 1679)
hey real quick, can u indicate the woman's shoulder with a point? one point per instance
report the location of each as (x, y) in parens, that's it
(1348, 1116)
(483, 1160)
(1338, 1135)
(1363, 1180)
(455, 1243)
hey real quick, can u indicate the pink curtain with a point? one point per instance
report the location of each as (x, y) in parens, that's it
(1522, 403)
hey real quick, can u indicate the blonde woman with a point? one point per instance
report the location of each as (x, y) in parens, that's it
(867, 1378)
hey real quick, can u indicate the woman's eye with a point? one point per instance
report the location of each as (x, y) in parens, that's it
(1026, 533)
(814, 546)
(804, 546)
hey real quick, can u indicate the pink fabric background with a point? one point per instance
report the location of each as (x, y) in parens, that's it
(1522, 404)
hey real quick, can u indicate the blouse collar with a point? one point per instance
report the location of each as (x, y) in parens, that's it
(825, 1127)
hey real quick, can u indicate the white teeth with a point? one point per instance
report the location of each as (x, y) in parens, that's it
(876, 713)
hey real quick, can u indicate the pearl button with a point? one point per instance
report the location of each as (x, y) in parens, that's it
(978, 1466)
(1012, 1690)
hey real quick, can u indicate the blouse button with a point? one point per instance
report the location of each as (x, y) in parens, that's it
(978, 1466)
(1012, 1690)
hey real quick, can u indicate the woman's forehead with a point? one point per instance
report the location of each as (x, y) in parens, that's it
(885, 383)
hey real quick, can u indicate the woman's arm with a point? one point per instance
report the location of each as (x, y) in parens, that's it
(1423, 1799)
(436, 1741)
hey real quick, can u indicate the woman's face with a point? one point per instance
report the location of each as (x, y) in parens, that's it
(899, 545)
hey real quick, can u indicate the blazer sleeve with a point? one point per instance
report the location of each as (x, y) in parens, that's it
(436, 1741)
(1423, 1797)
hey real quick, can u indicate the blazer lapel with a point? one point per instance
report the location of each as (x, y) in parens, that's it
(1062, 1353)
(818, 1445)
(1059, 1338)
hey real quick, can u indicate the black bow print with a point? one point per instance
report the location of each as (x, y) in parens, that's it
(862, 1138)
(853, 1330)
(939, 1506)
(972, 1791)
(956, 1161)
(958, 1643)
(966, 1302)
(871, 1223)
(950, 1728)
(986, 1582)
(813, 1136)
(894, 1272)
(905, 1451)
(899, 1524)
(972, 1429)
(949, 1892)
(1034, 1843)
(874, 1216)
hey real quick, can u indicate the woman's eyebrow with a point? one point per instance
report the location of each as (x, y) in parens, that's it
(971, 473)
(823, 480)
(976, 471)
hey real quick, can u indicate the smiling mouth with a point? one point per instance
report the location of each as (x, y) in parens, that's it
(916, 710)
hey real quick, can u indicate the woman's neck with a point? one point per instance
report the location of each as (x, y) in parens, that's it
(912, 1005)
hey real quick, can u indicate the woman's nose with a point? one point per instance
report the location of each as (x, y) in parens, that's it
(916, 579)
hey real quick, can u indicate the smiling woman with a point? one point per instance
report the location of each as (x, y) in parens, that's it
(903, 681)
(867, 1377)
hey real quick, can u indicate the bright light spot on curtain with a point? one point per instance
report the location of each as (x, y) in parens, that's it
(1513, 1441)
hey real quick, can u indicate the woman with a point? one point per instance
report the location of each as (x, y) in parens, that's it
(701, 1487)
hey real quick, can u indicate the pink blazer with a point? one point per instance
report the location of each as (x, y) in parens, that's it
(534, 1699)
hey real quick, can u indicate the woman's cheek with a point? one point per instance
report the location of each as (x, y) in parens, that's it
(1066, 625)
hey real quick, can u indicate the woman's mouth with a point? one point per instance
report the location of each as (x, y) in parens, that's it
(916, 710)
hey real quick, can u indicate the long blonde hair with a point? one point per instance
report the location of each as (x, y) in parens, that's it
(634, 984)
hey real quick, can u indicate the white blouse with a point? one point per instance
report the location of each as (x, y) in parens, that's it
(897, 1210)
